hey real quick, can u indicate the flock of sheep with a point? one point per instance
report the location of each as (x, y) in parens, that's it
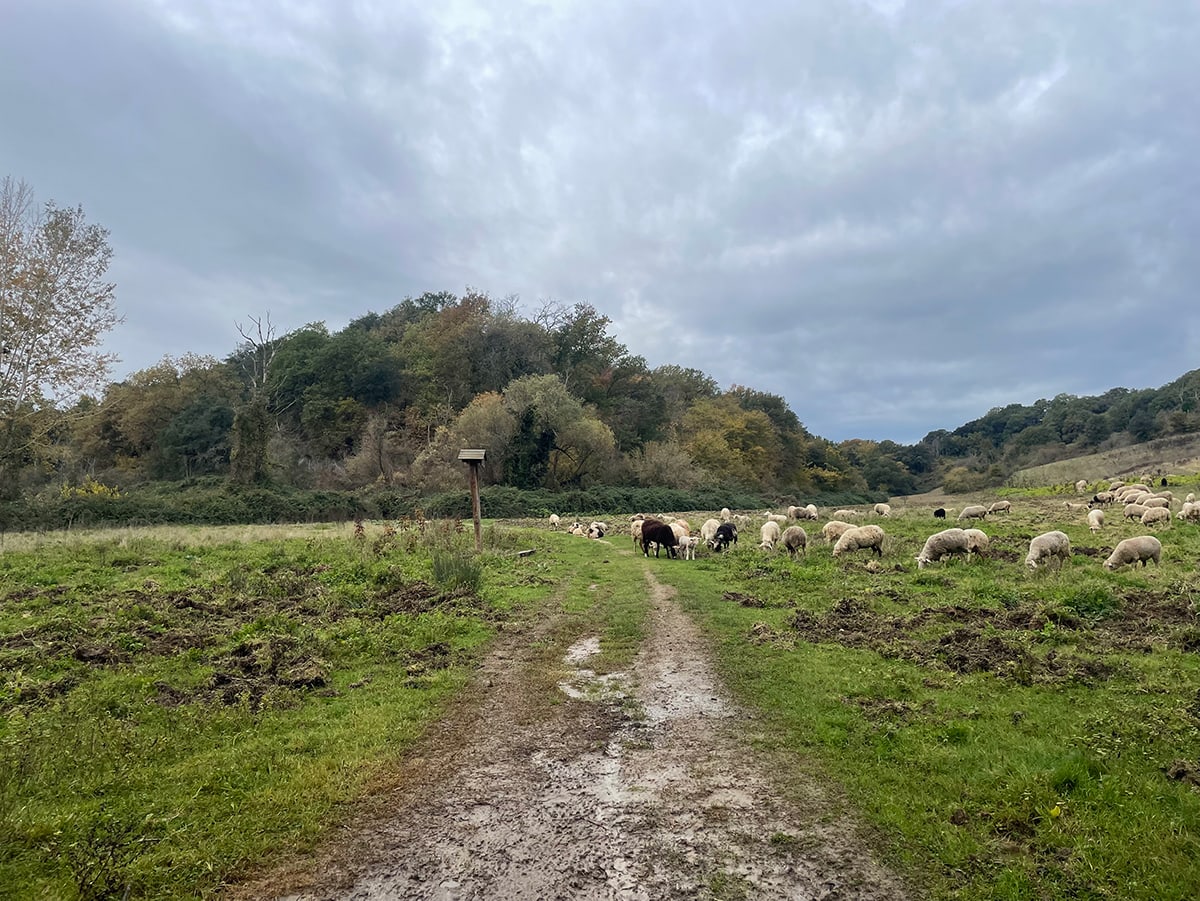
(1138, 501)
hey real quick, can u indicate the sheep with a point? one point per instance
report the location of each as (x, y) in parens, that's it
(681, 531)
(709, 529)
(834, 529)
(812, 510)
(725, 514)
(597, 530)
(1102, 497)
(1167, 494)
(1135, 550)
(1134, 511)
(554, 520)
(809, 512)
(860, 538)
(977, 542)
(1189, 512)
(939, 513)
(975, 511)
(577, 529)
(1095, 520)
(770, 534)
(726, 535)
(1081, 486)
(659, 534)
(776, 518)
(883, 509)
(792, 510)
(1000, 507)
(1191, 497)
(1048, 546)
(1075, 508)
(741, 519)
(1156, 502)
(1156, 514)
(635, 530)
(942, 544)
(845, 514)
(794, 539)
(688, 546)
(1114, 484)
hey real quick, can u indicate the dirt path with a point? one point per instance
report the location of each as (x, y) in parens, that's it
(636, 786)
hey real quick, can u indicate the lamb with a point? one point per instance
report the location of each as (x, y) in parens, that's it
(1081, 486)
(860, 538)
(776, 518)
(939, 513)
(975, 511)
(1095, 520)
(1135, 550)
(977, 541)
(883, 509)
(554, 520)
(688, 546)
(725, 514)
(835, 529)
(1048, 546)
(941, 545)
(726, 535)
(659, 534)
(1189, 512)
(635, 530)
(577, 529)
(1134, 511)
(1156, 514)
(1000, 507)
(1191, 497)
(1075, 508)
(794, 539)
(770, 534)
(845, 514)
(708, 529)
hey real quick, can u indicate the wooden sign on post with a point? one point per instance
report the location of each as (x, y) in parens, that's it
(473, 456)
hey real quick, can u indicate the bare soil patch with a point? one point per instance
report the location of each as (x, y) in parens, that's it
(640, 786)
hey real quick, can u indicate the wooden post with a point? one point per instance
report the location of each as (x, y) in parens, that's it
(473, 457)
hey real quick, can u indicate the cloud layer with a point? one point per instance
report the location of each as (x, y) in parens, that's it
(896, 215)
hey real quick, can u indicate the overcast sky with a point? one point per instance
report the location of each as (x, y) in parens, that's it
(896, 215)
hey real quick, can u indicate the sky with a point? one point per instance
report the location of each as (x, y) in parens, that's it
(897, 215)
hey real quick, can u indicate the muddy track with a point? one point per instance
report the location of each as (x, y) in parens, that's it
(636, 786)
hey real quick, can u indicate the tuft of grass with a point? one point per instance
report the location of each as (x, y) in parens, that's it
(457, 571)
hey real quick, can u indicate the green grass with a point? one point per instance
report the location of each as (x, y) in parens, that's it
(1008, 734)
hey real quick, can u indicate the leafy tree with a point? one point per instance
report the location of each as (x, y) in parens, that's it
(55, 308)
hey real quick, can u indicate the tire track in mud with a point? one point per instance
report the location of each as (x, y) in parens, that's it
(637, 787)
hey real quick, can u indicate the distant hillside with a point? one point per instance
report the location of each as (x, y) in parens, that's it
(1177, 454)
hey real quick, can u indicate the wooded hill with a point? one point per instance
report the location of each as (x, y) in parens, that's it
(558, 401)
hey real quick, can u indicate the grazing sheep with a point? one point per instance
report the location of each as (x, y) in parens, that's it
(845, 514)
(1134, 511)
(635, 530)
(883, 509)
(1114, 484)
(1167, 494)
(726, 535)
(792, 510)
(977, 541)
(860, 538)
(943, 544)
(809, 512)
(1156, 502)
(1135, 550)
(741, 519)
(1075, 508)
(770, 534)
(1081, 486)
(554, 520)
(835, 529)
(975, 511)
(1095, 520)
(776, 518)
(659, 534)
(680, 531)
(725, 514)
(1048, 546)
(1190, 512)
(939, 513)
(795, 539)
(1156, 514)
(1000, 507)
(688, 546)
(1103, 497)
(709, 529)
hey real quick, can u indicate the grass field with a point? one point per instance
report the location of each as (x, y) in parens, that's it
(181, 706)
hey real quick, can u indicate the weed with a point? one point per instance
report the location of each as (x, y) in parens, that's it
(456, 571)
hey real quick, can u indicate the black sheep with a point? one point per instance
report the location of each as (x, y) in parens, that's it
(660, 534)
(725, 536)
(939, 513)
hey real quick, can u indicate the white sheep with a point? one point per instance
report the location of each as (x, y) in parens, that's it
(845, 514)
(1156, 502)
(725, 514)
(1156, 514)
(941, 545)
(860, 538)
(1114, 484)
(635, 530)
(792, 510)
(777, 518)
(1190, 512)
(795, 539)
(741, 519)
(1081, 486)
(1134, 511)
(1135, 550)
(554, 520)
(1095, 520)
(770, 534)
(1075, 508)
(708, 529)
(578, 529)
(1190, 497)
(835, 529)
(883, 509)
(1048, 546)
(975, 511)
(680, 530)
(812, 510)
(1103, 497)
(687, 546)
(977, 542)
(1000, 507)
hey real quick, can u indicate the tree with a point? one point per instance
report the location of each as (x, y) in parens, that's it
(55, 308)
